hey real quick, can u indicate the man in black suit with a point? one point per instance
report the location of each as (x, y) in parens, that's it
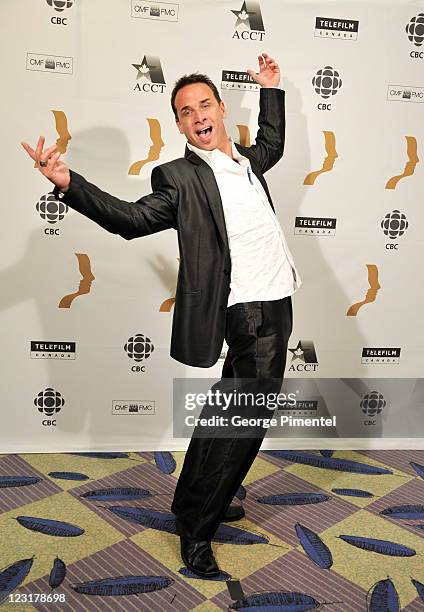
(235, 279)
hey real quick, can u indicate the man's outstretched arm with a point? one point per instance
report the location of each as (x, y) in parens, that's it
(152, 213)
(269, 144)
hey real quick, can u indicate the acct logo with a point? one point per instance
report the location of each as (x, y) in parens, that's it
(415, 32)
(49, 402)
(138, 348)
(49, 63)
(394, 225)
(51, 210)
(150, 73)
(249, 24)
(304, 357)
(327, 83)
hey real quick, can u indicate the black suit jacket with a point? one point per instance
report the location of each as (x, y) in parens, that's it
(186, 197)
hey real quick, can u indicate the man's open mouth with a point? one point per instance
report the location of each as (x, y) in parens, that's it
(204, 132)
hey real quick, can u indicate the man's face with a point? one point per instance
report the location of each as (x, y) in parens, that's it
(201, 116)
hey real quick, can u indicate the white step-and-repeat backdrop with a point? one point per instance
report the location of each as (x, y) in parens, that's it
(86, 315)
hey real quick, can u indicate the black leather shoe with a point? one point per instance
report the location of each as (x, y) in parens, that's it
(198, 557)
(234, 513)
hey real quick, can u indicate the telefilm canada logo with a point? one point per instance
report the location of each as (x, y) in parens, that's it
(394, 225)
(158, 11)
(415, 32)
(138, 348)
(47, 349)
(405, 93)
(249, 23)
(51, 210)
(49, 63)
(149, 75)
(339, 29)
(60, 6)
(301, 408)
(304, 357)
(315, 226)
(327, 83)
(133, 407)
(49, 402)
(372, 405)
(238, 81)
(380, 355)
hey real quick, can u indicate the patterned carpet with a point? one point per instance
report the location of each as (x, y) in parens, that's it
(53, 536)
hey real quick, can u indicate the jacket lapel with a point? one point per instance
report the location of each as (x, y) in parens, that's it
(210, 187)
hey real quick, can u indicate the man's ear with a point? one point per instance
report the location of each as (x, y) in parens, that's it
(223, 109)
(179, 126)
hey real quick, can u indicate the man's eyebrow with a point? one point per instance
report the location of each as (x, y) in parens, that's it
(188, 106)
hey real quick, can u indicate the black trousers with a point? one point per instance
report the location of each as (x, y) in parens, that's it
(214, 467)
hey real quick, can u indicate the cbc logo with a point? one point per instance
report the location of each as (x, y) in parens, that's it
(372, 404)
(415, 31)
(327, 83)
(51, 210)
(49, 402)
(60, 5)
(139, 347)
(394, 225)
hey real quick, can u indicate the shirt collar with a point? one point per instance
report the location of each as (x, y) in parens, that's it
(213, 156)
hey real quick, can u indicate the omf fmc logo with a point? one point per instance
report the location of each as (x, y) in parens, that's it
(60, 5)
(405, 93)
(304, 357)
(340, 29)
(372, 404)
(51, 209)
(150, 75)
(394, 224)
(139, 348)
(49, 402)
(158, 11)
(49, 63)
(249, 23)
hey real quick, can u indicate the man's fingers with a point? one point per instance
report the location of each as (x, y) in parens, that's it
(29, 150)
(40, 145)
(45, 156)
(53, 159)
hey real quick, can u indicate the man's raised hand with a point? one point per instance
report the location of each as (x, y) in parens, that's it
(49, 164)
(269, 72)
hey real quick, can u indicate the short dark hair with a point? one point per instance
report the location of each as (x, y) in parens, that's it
(189, 79)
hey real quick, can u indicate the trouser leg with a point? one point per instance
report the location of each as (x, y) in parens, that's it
(257, 335)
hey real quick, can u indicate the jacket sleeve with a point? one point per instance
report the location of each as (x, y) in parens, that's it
(269, 144)
(150, 214)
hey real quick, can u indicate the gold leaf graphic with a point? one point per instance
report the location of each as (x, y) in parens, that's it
(244, 135)
(85, 282)
(411, 151)
(155, 147)
(371, 293)
(62, 129)
(328, 164)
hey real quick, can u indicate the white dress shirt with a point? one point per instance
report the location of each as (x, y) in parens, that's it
(262, 266)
